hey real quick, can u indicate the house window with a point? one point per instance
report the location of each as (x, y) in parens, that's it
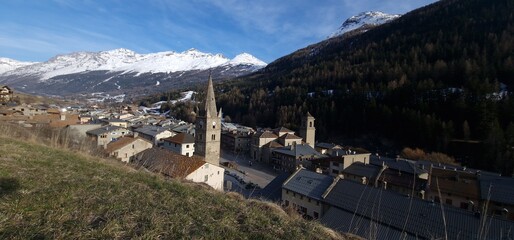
(206, 178)
(213, 137)
(316, 215)
(187, 154)
(310, 124)
(317, 203)
(309, 199)
(187, 145)
(287, 203)
(133, 146)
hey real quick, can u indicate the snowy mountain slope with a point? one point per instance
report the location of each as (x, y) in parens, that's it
(124, 60)
(7, 64)
(122, 71)
(364, 19)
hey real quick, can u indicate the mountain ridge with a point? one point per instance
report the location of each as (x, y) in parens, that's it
(364, 21)
(125, 60)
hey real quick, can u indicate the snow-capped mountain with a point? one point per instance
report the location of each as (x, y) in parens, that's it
(124, 60)
(364, 20)
(7, 64)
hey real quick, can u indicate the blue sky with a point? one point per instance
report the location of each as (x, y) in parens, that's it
(36, 30)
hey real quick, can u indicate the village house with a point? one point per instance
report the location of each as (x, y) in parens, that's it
(174, 165)
(126, 147)
(154, 134)
(454, 187)
(260, 139)
(6, 94)
(303, 191)
(106, 134)
(261, 146)
(116, 122)
(289, 158)
(181, 143)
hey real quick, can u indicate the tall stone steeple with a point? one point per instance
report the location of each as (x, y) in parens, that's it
(308, 131)
(208, 128)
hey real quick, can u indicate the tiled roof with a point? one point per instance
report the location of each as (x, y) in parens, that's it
(363, 170)
(290, 136)
(308, 183)
(180, 138)
(502, 189)
(167, 162)
(103, 130)
(266, 134)
(368, 211)
(121, 142)
(273, 144)
(282, 130)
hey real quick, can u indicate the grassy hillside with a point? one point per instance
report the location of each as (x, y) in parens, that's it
(46, 193)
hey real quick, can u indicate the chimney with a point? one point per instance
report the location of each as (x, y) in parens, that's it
(62, 116)
(136, 134)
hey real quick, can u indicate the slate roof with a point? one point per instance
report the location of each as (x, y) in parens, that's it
(167, 162)
(402, 165)
(364, 170)
(115, 120)
(298, 150)
(102, 130)
(355, 206)
(150, 130)
(308, 183)
(326, 145)
(502, 189)
(180, 138)
(273, 191)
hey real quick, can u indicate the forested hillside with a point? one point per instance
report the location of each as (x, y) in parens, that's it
(436, 78)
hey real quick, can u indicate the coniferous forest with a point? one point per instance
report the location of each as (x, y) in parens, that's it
(438, 78)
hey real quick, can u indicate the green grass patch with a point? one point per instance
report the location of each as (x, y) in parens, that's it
(48, 193)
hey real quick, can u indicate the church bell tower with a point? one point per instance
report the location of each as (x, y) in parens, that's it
(307, 130)
(208, 128)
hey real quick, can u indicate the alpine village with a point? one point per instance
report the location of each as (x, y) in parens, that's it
(397, 130)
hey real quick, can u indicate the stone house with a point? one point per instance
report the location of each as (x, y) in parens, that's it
(6, 94)
(126, 147)
(106, 134)
(181, 143)
(289, 158)
(303, 191)
(178, 166)
(154, 134)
